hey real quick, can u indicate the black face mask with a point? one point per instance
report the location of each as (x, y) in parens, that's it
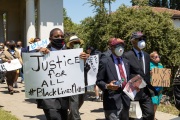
(18, 46)
(57, 43)
(12, 47)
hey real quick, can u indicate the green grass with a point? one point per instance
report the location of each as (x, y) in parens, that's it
(171, 109)
(4, 115)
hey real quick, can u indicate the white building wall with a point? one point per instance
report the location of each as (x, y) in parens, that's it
(50, 15)
(176, 23)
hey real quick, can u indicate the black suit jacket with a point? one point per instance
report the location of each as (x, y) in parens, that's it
(53, 103)
(106, 73)
(136, 69)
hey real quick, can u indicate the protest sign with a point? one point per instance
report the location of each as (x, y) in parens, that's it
(2, 67)
(135, 110)
(161, 77)
(133, 86)
(93, 63)
(57, 74)
(36, 45)
(13, 65)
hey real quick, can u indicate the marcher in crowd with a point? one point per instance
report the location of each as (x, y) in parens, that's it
(8, 55)
(19, 47)
(176, 89)
(113, 74)
(75, 101)
(92, 51)
(2, 73)
(155, 63)
(56, 108)
(6, 44)
(140, 64)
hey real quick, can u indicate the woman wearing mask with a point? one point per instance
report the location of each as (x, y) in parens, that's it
(155, 63)
(75, 42)
(8, 55)
(75, 101)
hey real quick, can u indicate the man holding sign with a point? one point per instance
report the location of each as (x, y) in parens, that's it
(7, 56)
(56, 108)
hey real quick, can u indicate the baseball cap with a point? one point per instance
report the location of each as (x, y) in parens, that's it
(115, 41)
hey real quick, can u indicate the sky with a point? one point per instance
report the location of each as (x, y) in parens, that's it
(77, 10)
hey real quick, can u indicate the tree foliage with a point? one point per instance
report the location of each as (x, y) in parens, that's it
(69, 26)
(158, 27)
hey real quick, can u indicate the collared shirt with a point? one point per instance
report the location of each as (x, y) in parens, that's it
(117, 68)
(137, 54)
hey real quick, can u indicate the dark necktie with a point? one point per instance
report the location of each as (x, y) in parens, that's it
(141, 61)
(121, 71)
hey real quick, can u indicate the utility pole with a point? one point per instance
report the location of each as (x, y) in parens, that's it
(109, 6)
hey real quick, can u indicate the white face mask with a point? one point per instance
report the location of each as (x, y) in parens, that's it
(141, 44)
(119, 51)
(75, 46)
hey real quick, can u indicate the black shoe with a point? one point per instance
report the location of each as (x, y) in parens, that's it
(97, 100)
(11, 92)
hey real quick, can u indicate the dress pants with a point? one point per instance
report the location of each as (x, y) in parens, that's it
(120, 114)
(75, 102)
(56, 114)
(146, 105)
(11, 77)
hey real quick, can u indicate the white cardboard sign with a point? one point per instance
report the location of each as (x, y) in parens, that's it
(57, 74)
(36, 45)
(13, 65)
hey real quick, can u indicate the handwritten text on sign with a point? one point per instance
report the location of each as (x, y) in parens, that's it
(93, 62)
(13, 65)
(36, 45)
(57, 74)
(161, 77)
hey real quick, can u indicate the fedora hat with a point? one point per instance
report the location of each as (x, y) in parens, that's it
(74, 38)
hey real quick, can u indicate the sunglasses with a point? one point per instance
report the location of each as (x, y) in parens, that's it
(155, 57)
(76, 42)
(142, 38)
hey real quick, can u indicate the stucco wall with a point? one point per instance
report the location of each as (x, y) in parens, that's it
(14, 18)
(177, 23)
(49, 17)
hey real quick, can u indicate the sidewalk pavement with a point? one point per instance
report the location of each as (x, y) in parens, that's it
(26, 109)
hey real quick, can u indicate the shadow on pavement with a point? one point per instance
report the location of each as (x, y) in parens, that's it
(98, 110)
(5, 92)
(40, 117)
(178, 118)
(100, 119)
(31, 101)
